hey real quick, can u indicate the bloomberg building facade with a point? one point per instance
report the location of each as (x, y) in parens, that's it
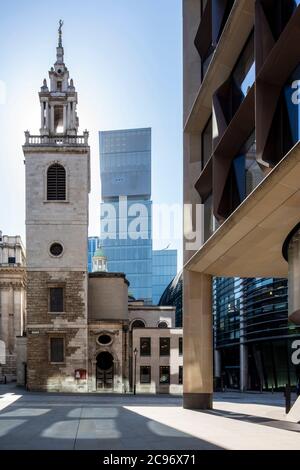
(241, 164)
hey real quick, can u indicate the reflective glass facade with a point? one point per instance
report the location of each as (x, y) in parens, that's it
(172, 296)
(130, 255)
(164, 269)
(125, 165)
(126, 214)
(253, 313)
(93, 244)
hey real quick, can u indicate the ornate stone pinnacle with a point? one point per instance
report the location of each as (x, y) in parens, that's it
(61, 23)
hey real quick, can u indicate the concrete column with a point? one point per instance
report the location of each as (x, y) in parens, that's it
(42, 115)
(218, 364)
(18, 317)
(65, 118)
(294, 279)
(52, 118)
(243, 367)
(198, 341)
(69, 116)
(5, 255)
(243, 352)
(4, 315)
(11, 314)
(47, 115)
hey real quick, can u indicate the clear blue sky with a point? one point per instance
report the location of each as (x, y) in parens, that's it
(125, 57)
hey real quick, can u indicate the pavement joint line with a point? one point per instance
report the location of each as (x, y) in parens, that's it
(77, 430)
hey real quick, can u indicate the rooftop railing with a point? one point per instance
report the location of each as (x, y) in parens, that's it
(57, 140)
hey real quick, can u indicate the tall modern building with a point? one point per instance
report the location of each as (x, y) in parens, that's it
(125, 165)
(164, 268)
(241, 165)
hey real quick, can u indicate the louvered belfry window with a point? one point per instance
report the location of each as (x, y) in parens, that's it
(56, 183)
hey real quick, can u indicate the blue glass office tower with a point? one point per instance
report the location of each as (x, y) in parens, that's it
(164, 269)
(93, 244)
(125, 167)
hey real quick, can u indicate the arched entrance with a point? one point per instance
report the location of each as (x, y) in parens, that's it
(105, 371)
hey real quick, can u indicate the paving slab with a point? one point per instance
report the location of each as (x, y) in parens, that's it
(51, 421)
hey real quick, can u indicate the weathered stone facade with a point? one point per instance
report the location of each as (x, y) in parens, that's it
(57, 164)
(71, 325)
(12, 302)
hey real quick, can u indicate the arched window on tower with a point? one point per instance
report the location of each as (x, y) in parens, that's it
(56, 183)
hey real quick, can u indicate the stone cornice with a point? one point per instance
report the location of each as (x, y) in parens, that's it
(12, 284)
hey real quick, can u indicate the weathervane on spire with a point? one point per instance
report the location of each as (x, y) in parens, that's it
(61, 23)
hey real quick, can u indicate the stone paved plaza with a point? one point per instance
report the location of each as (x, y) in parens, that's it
(111, 422)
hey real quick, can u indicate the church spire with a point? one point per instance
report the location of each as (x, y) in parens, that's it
(60, 49)
(61, 23)
(59, 100)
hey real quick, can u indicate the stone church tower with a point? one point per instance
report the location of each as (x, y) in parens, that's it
(57, 186)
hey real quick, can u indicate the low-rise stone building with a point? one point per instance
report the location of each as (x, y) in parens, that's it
(12, 302)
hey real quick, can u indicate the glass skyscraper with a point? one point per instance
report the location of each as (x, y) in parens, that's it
(126, 209)
(164, 269)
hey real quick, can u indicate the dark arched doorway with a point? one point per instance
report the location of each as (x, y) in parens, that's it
(105, 371)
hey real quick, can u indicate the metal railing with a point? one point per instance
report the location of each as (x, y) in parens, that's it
(56, 140)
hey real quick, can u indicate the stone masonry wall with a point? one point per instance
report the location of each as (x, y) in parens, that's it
(70, 325)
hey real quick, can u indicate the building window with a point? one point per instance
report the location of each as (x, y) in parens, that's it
(180, 346)
(164, 375)
(137, 324)
(163, 324)
(59, 86)
(57, 350)
(145, 375)
(56, 183)
(180, 375)
(244, 70)
(207, 136)
(58, 119)
(164, 346)
(56, 249)
(104, 339)
(145, 346)
(56, 299)
(11, 260)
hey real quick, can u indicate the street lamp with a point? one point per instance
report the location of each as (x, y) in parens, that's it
(134, 382)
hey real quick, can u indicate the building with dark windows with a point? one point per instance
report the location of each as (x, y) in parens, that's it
(253, 338)
(241, 166)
